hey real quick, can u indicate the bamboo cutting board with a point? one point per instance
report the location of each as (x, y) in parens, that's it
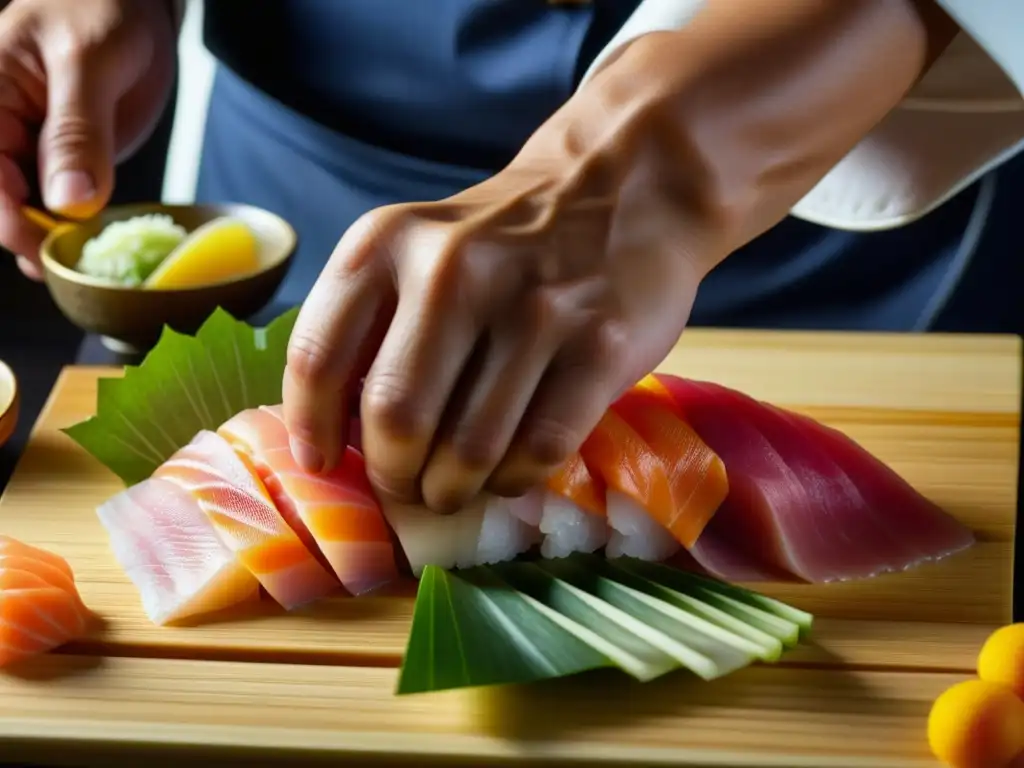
(317, 684)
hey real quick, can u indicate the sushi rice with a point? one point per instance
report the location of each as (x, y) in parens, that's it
(494, 530)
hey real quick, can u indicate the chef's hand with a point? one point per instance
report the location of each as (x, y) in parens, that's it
(500, 323)
(494, 328)
(82, 84)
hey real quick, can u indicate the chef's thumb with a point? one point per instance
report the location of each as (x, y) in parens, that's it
(76, 144)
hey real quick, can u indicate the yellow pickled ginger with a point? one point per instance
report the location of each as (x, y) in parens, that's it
(220, 250)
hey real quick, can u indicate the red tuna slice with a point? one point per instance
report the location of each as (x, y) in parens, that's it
(744, 541)
(929, 531)
(827, 521)
(835, 534)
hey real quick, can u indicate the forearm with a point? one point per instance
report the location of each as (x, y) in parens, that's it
(740, 113)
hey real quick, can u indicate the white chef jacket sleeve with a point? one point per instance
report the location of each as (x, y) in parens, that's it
(964, 119)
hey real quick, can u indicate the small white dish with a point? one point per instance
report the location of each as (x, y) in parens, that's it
(9, 402)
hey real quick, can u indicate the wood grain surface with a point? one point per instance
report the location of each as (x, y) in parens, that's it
(942, 411)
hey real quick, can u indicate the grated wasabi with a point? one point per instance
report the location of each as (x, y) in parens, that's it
(127, 252)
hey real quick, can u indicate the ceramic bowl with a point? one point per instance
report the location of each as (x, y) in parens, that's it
(130, 319)
(9, 402)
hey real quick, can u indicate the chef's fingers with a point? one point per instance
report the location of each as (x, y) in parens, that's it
(76, 143)
(334, 338)
(14, 136)
(486, 412)
(408, 387)
(18, 234)
(570, 400)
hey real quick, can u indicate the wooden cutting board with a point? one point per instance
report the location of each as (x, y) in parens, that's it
(317, 684)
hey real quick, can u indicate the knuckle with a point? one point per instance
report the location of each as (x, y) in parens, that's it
(476, 449)
(511, 486)
(308, 360)
(446, 275)
(389, 403)
(67, 134)
(550, 441)
(366, 246)
(542, 312)
(394, 485)
(610, 345)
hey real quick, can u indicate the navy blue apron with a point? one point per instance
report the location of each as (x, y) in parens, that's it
(324, 109)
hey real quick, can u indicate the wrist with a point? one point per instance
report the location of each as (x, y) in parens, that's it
(738, 115)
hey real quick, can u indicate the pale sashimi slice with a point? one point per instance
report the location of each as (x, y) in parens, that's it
(335, 514)
(169, 549)
(639, 494)
(230, 492)
(574, 517)
(36, 617)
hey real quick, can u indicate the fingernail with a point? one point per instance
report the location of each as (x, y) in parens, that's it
(307, 456)
(68, 189)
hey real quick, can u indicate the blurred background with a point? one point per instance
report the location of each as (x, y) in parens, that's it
(36, 341)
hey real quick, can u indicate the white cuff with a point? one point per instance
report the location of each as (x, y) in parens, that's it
(965, 118)
(998, 27)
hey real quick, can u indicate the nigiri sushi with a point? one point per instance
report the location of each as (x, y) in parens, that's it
(230, 492)
(641, 499)
(490, 529)
(574, 517)
(805, 502)
(696, 475)
(40, 608)
(172, 553)
(335, 514)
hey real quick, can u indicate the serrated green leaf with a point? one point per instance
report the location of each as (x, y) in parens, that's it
(185, 384)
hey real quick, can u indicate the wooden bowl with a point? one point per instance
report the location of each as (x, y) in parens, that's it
(130, 319)
(9, 403)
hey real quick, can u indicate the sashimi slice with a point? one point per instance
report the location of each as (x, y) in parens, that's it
(11, 546)
(793, 509)
(639, 494)
(335, 514)
(574, 516)
(36, 616)
(696, 475)
(52, 575)
(737, 544)
(577, 483)
(488, 530)
(930, 532)
(230, 492)
(169, 549)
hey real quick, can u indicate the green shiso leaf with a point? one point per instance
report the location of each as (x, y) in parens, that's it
(520, 622)
(184, 385)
